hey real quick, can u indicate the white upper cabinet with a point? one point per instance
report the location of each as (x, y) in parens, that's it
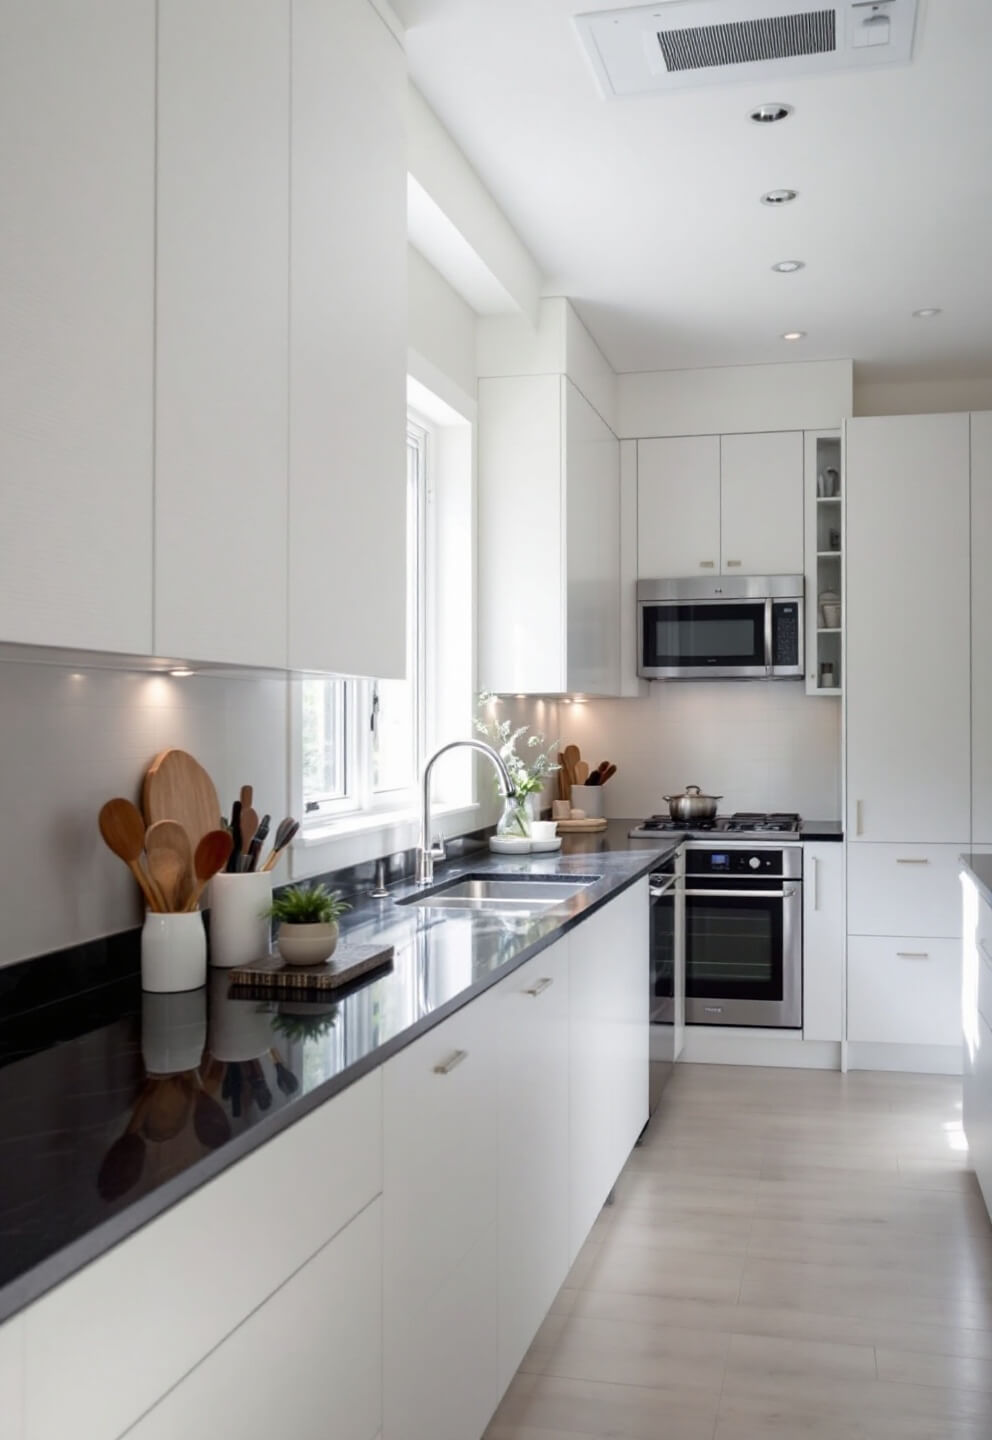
(981, 626)
(549, 476)
(348, 323)
(222, 334)
(77, 235)
(761, 503)
(678, 507)
(907, 631)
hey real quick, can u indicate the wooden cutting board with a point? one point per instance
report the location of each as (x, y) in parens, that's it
(349, 962)
(576, 827)
(178, 788)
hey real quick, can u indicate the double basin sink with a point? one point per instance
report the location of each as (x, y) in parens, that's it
(494, 894)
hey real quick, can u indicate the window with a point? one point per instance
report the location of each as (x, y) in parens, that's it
(363, 741)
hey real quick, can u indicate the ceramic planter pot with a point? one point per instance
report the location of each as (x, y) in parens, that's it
(307, 944)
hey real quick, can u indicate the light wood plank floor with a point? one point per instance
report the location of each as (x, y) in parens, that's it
(793, 1255)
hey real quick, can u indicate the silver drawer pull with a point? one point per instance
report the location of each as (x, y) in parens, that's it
(707, 564)
(912, 862)
(913, 954)
(731, 563)
(453, 1061)
(539, 986)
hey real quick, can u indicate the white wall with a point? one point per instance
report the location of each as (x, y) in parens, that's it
(921, 397)
(762, 746)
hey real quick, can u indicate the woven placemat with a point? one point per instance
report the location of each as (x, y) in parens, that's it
(348, 964)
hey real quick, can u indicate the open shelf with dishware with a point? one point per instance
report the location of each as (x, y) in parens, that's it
(824, 563)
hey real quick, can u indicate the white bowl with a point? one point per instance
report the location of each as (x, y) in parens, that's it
(509, 845)
(307, 944)
(544, 845)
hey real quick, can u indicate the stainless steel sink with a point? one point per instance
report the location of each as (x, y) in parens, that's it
(503, 896)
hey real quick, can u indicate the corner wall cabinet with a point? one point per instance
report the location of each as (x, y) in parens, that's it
(549, 540)
(208, 287)
(824, 521)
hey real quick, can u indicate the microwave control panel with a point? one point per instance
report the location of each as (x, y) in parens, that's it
(785, 633)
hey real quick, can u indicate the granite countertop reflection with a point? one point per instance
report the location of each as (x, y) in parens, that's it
(116, 1104)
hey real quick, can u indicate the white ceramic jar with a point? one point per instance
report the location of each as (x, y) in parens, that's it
(173, 952)
(240, 929)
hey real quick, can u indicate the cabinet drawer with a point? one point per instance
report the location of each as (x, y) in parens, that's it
(904, 990)
(307, 1363)
(122, 1331)
(440, 1144)
(903, 890)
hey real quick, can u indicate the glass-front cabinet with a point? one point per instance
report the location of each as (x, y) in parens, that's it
(824, 563)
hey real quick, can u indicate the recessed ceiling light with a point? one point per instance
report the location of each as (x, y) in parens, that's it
(771, 111)
(778, 197)
(794, 335)
(181, 672)
(926, 314)
(788, 267)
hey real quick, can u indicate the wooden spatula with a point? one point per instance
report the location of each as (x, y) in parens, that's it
(170, 861)
(581, 772)
(123, 831)
(211, 856)
(178, 788)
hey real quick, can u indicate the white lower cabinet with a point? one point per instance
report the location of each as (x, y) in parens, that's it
(904, 889)
(12, 1379)
(122, 1331)
(978, 1105)
(308, 1362)
(608, 1051)
(903, 990)
(823, 941)
(533, 1149)
(440, 1149)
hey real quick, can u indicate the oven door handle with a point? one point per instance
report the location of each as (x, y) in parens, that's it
(658, 891)
(746, 894)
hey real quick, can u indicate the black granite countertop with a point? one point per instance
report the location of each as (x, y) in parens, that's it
(821, 830)
(979, 867)
(115, 1104)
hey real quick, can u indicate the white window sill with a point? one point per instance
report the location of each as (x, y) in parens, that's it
(370, 820)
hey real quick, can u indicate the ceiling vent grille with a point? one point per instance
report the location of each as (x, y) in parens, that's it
(781, 37)
(677, 45)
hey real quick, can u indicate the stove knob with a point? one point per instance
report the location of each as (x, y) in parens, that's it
(754, 863)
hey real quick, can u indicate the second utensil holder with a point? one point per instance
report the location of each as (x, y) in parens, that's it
(588, 798)
(173, 952)
(240, 930)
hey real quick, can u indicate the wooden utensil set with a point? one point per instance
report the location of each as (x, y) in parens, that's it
(181, 835)
(575, 771)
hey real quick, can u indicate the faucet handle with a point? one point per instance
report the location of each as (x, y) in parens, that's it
(438, 851)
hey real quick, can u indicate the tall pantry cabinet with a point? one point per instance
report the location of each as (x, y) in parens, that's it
(910, 530)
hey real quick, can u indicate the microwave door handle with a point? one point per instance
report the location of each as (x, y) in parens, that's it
(769, 657)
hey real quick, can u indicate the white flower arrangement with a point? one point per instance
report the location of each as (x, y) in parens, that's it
(528, 774)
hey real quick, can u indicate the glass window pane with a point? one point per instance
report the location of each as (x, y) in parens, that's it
(324, 740)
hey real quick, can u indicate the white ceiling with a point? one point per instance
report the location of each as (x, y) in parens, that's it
(645, 212)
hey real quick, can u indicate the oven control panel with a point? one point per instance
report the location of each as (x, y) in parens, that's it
(744, 861)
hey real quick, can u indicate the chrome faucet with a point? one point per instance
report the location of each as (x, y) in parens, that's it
(430, 850)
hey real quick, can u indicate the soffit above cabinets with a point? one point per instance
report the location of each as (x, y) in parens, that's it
(654, 49)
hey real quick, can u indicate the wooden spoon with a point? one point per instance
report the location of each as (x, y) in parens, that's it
(581, 772)
(607, 774)
(212, 854)
(123, 831)
(178, 788)
(170, 861)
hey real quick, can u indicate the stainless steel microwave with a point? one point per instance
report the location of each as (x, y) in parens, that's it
(739, 627)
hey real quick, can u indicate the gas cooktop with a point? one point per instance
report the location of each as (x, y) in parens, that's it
(742, 822)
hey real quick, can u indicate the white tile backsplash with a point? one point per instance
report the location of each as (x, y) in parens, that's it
(762, 746)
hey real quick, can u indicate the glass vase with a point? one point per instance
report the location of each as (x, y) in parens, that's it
(514, 823)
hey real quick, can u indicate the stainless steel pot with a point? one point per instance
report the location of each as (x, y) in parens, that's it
(692, 806)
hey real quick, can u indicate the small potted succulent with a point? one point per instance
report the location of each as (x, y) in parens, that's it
(308, 923)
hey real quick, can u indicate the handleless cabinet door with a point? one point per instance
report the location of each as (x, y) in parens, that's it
(222, 368)
(981, 627)
(761, 504)
(908, 654)
(77, 244)
(823, 942)
(307, 1363)
(678, 507)
(348, 339)
(592, 488)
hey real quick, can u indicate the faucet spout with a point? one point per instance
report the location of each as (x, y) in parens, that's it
(428, 850)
